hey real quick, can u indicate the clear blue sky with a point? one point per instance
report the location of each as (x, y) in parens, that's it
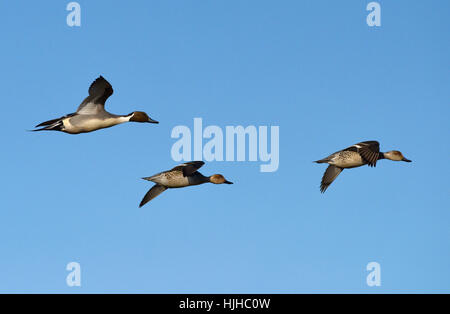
(314, 68)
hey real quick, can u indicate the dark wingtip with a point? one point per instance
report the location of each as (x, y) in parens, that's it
(142, 203)
(199, 161)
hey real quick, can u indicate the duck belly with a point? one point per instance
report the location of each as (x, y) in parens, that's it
(171, 180)
(348, 159)
(83, 124)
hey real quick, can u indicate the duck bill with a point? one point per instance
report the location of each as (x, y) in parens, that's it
(228, 182)
(405, 159)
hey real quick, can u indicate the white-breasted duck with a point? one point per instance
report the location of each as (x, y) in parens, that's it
(364, 153)
(91, 114)
(181, 176)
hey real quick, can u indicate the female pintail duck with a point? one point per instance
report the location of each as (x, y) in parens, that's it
(91, 114)
(364, 153)
(181, 176)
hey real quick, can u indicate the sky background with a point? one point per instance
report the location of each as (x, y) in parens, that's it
(313, 68)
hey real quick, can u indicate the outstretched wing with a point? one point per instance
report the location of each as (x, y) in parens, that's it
(152, 193)
(328, 177)
(189, 168)
(99, 92)
(370, 151)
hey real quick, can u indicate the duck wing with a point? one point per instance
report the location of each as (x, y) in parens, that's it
(189, 168)
(369, 151)
(329, 176)
(99, 92)
(152, 193)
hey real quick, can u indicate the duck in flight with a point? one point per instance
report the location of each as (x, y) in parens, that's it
(181, 176)
(364, 153)
(91, 114)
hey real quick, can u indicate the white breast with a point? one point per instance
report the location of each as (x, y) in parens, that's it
(87, 124)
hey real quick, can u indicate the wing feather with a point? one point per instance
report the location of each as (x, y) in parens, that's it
(152, 193)
(189, 168)
(329, 176)
(369, 151)
(99, 92)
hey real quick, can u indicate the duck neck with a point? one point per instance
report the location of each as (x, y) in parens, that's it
(198, 178)
(126, 117)
(120, 118)
(381, 156)
(206, 179)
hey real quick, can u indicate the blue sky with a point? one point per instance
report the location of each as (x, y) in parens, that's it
(313, 68)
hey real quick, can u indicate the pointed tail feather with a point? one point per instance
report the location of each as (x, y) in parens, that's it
(42, 129)
(54, 124)
(49, 122)
(51, 125)
(54, 127)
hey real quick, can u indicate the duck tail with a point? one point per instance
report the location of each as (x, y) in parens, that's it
(322, 161)
(53, 126)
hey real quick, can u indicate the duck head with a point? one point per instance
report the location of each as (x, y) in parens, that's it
(218, 179)
(139, 116)
(395, 155)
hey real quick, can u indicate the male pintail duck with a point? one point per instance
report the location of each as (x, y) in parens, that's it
(91, 114)
(364, 153)
(181, 176)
